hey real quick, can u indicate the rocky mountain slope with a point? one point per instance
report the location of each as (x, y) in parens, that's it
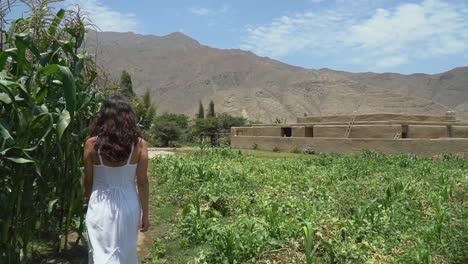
(180, 72)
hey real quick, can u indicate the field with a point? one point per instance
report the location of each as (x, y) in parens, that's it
(225, 206)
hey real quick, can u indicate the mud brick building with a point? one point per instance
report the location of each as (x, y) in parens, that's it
(387, 133)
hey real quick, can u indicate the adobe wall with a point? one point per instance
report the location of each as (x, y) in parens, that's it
(459, 131)
(360, 131)
(430, 123)
(298, 131)
(423, 147)
(376, 117)
(332, 131)
(420, 131)
(257, 131)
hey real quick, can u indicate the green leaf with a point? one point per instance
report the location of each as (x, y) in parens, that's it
(4, 98)
(51, 205)
(4, 55)
(48, 127)
(56, 22)
(12, 29)
(63, 123)
(21, 55)
(11, 84)
(20, 160)
(69, 49)
(79, 65)
(4, 132)
(44, 108)
(69, 86)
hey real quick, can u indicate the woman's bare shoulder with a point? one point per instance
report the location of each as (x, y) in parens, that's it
(142, 143)
(90, 142)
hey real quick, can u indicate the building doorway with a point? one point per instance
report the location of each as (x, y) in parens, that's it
(286, 132)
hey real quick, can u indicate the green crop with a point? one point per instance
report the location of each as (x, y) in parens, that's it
(366, 208)
(47, 98)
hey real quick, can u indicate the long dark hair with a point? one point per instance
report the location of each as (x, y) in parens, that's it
(116, 129)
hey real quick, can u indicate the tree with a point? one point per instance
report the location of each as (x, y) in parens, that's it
(226, 121)
(145, 111)
(211, 110)
(169, 127)
(126, 86)
(148, 110)
(201, 111)
(206, 127)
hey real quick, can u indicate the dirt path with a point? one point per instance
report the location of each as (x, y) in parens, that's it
(152, 152)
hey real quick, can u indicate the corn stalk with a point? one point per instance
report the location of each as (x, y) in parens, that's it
(47, 97)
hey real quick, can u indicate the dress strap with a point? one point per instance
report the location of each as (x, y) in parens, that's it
(99, 155)
(130, 156)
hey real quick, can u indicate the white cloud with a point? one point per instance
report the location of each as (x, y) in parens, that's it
(289, 34)
(106, 18)
(391, 62)
(200, 11)
(382, 37)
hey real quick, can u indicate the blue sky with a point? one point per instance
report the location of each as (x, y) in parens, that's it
(405, 36)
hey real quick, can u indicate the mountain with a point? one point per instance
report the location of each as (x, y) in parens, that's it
(180, 72)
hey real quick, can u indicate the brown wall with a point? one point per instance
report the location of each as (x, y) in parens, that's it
(424, 147)
(375, 117)
(460, 131)
(360, 131)
(419, 131)
(298, 131)
(325, 131)
(257, 131)
(375, 131)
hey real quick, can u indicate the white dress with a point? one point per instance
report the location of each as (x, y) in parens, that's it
(113, 214)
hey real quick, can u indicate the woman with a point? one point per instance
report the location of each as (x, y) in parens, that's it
(116, 184)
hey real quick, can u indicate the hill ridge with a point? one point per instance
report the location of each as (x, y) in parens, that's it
(180, 72)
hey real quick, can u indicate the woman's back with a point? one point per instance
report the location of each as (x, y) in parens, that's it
(106, 176)
(113, 213)
(116, 184)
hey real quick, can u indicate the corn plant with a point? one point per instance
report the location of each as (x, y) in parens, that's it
(47, 98)
(310, 250)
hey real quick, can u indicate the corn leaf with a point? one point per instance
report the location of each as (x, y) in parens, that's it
(19, 160)
(56, 22)
(69, 86)
(4, 132)
(64, 121)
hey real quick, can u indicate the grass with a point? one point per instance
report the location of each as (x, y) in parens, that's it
(223, 206)
(260, 154)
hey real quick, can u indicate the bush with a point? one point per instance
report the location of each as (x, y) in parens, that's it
(295, 150)
(308, 150)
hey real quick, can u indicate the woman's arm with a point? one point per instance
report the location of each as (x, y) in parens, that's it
(88, 169)
(143, 185)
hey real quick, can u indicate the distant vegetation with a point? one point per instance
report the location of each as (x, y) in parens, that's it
(168, 129)
(367, 208)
